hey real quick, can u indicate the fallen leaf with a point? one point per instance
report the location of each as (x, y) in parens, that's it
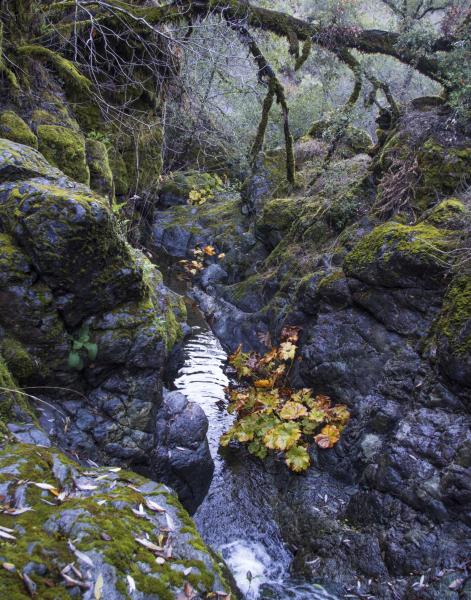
(131, 584)
(98, 589)
(7, 529)
(151, 505)
(149, 545)
(7, 536)
(86, 487)
(188, 590)
(9, 566)
(209, 250)
(46, 486)
(287, 351)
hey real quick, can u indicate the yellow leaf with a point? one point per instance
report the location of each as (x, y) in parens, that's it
(287, 351)
(263, 383)
(292, 411)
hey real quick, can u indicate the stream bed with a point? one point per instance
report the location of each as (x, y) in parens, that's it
(236, 517)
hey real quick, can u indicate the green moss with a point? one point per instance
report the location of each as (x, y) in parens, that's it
(18, 360)
(101, 177)
(331, 278)
(95, 522)
(15, 129)
(449, 214)
(455, 316)
(279, 213)
(384, 241)
(121, 177)
(64, 149)
(442, 169)
(353, 141)
(65, 68)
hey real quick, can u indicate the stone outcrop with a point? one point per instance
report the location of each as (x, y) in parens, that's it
(87, 320)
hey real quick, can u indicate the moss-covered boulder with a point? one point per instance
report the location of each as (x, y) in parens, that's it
(96, 532)
(14, 128)
(65, 149)
(353, 140)
(275, 220)
(71, 237)
(449, 214)
(396, 255)
(20, 162)
(438, 163)
(453, 331)
(101, 176)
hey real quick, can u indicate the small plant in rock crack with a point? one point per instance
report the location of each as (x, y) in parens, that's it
(82, 347)
(272, 416)
(202, 256)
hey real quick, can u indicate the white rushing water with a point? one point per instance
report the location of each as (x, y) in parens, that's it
(236, 517)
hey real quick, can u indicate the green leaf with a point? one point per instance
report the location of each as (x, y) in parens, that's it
(297, 458)
(75, 361)
(76, 345)
(257, 449)
(282, 436)
(92, 350)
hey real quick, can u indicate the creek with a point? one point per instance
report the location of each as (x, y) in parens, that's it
(236, 518)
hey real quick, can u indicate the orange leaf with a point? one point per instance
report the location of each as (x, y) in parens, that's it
(209, 250)
(263, 383)
(328, 436)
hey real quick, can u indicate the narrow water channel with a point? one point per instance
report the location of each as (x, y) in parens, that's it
(236, 516)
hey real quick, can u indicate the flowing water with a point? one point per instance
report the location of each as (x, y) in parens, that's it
(236, 516)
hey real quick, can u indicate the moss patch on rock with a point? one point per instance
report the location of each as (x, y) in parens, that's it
(14, 128)
(65, 149)
(101, 177)
(95, 528)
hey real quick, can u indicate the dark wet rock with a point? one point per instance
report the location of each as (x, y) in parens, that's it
(213, 274)
(182, 456)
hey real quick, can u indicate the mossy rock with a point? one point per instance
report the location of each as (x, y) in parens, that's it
(453, 331)
(396, 255)
(443, 170)
(354, 140)
(121, 178)
(448, 214)
(96, 529)
(277, 217)
(101, 177)
(17, 358)
(15, 129)
(71, 237)
(65, 149)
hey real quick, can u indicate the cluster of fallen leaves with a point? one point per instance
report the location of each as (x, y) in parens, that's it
(80, 572)
(271, 415)
(202, 254)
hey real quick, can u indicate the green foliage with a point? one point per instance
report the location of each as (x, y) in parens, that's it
(271, 416)
(82, 348)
